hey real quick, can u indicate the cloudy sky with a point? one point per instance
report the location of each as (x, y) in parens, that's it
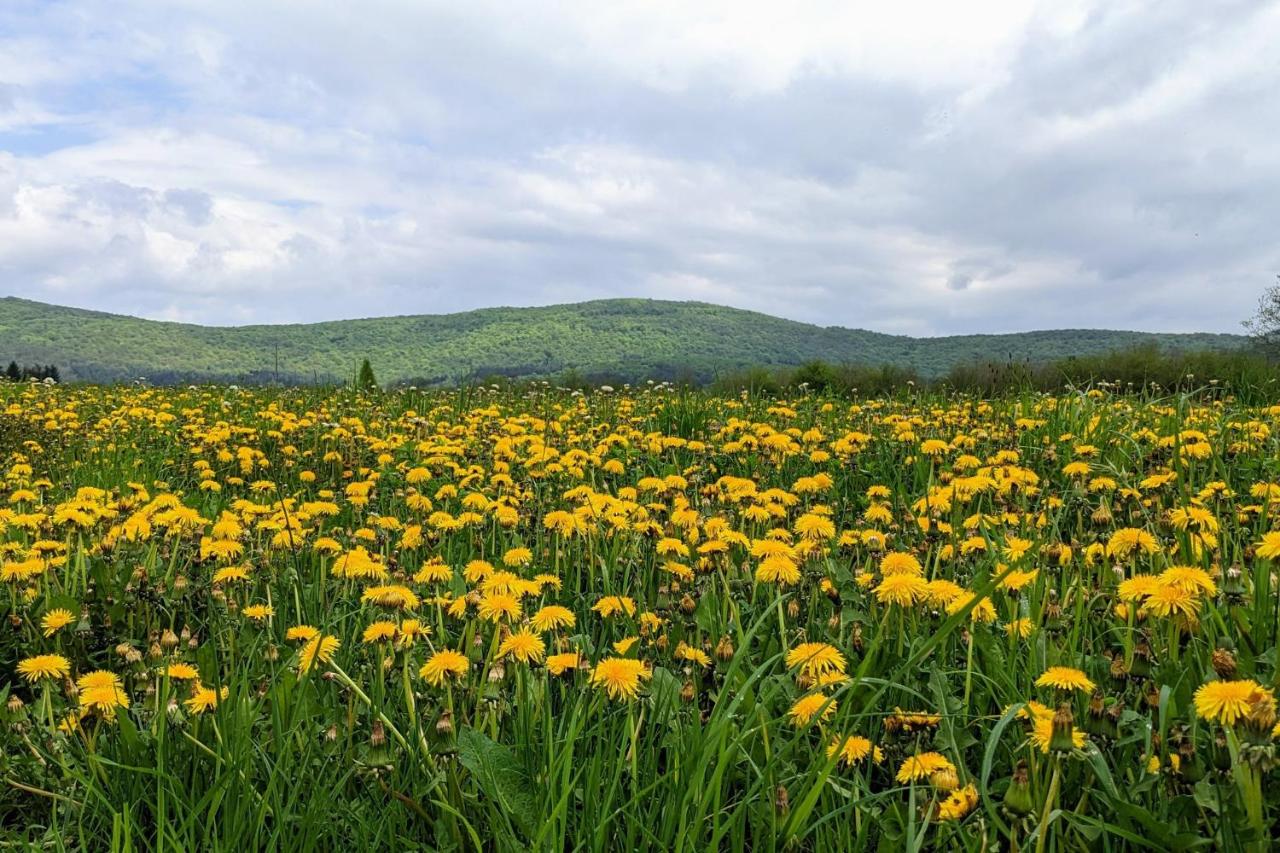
(922, 168)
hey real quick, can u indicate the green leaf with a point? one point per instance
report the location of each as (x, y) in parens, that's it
(707, 615)
(1102, 772)
(664, 694)
(501, 777)
(1206, 794)
(988, 759)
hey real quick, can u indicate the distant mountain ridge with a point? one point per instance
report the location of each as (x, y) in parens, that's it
(627, 339)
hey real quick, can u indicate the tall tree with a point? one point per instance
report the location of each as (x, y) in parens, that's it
(1264, 326)
(366, 381)
(14, 373)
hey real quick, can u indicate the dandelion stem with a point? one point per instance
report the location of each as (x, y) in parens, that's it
(1042, 831)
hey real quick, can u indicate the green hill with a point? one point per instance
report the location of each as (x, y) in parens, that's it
(629, 339)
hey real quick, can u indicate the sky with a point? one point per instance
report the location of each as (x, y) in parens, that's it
(908, 167)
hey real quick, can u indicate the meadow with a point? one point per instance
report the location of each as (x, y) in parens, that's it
(639, 618)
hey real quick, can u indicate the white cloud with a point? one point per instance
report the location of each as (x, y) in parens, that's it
(910, 167)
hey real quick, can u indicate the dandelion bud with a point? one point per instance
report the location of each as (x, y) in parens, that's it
(1221, 754)
(168, 639)
(782, 800)
(186, 633)
(155, 651)
(833, 624)
(1053, 617)
(793, 609)
(687, 604)
(1224, 663)
(1261, 718)
(1141, 666)
(1233, 582)
(444, 725)
(662, 642)
(1061, 738)
(271, 653)
(724, 649)
(180, 583)
(15, 703)
(1102, 719)
(497, 672)
(687, 692)
(1101, 516)
(331, 733)
(1017, 799)
(945, 779)
(1189, 765)
(379, 735)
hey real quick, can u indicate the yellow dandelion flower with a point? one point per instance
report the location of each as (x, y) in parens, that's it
(552, 617)
(524, 645)
(816, 658)
(562, 663)
(903, 590)
(1064, 678)
(922, 766)
(1226, 701)
(382, 631)
(851, 749)
(318, 649)
(55, 620)
(619, 677)
(258, 612)
(612, 604)
(44, 666)
(442, 665)
(181, 671)
(301, 632)
(808, 707)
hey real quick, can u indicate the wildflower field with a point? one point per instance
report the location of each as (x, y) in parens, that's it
(645, 619)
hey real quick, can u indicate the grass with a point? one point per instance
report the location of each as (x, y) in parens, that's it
(1034, 507)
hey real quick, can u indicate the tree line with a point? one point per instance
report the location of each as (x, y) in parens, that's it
(16, 373)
